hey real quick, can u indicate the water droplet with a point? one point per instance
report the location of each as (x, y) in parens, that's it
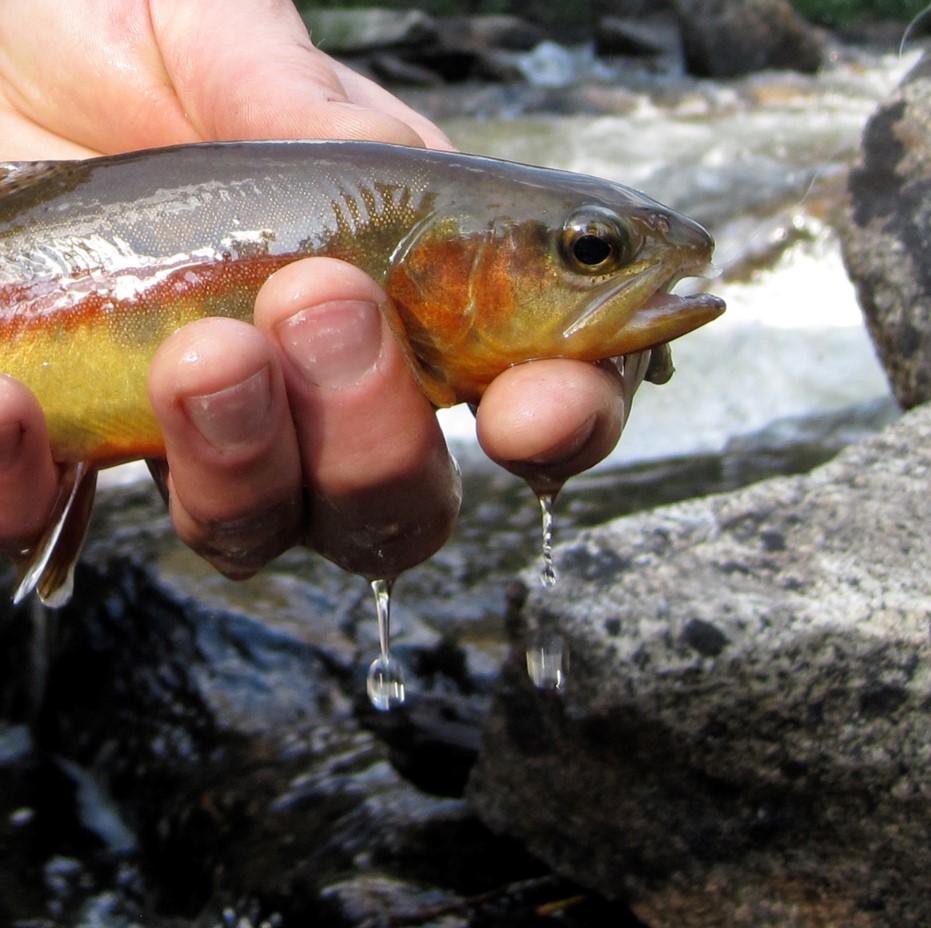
(548, 661)
(547, 570)
(385, 683)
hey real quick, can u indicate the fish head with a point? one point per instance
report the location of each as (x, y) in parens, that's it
(551, 265)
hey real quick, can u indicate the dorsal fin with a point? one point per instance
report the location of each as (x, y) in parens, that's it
(48, 568)
(20, 175)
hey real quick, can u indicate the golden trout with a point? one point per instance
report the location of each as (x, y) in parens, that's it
(487, 264)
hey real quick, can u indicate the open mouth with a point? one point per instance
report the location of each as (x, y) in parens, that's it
(666, 316)
(663, 302)
(640, 312)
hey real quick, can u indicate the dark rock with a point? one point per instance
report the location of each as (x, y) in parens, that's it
(637, 37)
(490, 31)
(728, 38)
(887, 236)
(458, 64)
(395, 69)
(743, 736)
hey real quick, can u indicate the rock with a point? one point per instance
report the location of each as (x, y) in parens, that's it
(887, 236)
(637, 37)
(490, 31)
(395, 69)
(368, 29)
(199, 745)
(224, 729)
(728, 38)
(743, 738)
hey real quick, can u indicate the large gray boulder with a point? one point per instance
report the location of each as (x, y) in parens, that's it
(728, 38)
(744, 738)
(887, 238)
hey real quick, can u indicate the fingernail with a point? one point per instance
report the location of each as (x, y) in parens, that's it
(334, 344)
(234, 416)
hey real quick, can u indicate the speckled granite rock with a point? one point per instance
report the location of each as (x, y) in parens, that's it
(745, 738)
(887, 238)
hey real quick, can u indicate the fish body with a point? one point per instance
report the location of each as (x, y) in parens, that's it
(487, 264)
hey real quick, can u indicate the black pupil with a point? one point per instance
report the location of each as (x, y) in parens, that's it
(591, 250)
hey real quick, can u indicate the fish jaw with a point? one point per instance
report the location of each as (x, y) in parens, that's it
(645, 319)
(666, 316)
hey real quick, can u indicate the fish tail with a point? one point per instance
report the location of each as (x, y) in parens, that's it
(48, 568)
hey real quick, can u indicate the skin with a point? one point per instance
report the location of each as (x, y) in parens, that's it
(307, 428)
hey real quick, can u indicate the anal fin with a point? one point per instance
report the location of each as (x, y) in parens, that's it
(48, 568)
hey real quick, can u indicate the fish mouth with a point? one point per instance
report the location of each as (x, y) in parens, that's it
(641, 312)
(664, 302)
(666, 316)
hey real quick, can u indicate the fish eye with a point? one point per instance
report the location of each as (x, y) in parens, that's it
(596, 241)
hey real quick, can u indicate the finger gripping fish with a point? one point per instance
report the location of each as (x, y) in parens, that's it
(486, 263)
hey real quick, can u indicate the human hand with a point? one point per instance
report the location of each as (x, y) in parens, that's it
(358, 472)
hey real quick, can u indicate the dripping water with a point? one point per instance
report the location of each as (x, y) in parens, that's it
(547, 570)
(385, 683)
(548, 660)
(547, 653)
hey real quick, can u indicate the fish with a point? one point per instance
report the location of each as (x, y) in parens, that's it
(487, 264)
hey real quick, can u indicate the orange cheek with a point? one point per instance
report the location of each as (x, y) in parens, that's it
(431, 291)
(443, 291)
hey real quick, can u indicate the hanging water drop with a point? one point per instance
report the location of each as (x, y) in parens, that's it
(547, 570)
(548, 661)
(385, 683)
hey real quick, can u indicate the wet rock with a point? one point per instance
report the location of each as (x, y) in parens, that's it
(743, 738)
(885, 239)
(235, 750)
(728, 38)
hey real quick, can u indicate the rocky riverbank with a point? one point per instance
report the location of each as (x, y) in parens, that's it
(705, 38)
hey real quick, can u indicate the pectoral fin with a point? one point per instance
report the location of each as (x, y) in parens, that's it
(48, 568)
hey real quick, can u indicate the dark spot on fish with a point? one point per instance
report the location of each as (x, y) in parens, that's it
(613, 626)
